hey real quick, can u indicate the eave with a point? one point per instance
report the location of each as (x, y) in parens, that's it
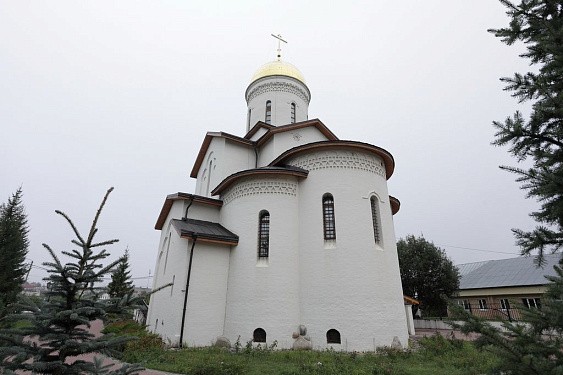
(207, 141)
(165, 210)
(280, 171)
(395, 204)
(337, 144)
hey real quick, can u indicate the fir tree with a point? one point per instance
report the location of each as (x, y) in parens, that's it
(535, 347)
(539, 139)
(13, 248)
(60, 327)
(121, 284)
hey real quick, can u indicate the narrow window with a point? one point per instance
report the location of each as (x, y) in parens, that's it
(332, 336)
(209, 177)
(292, 113)
(155, 325)
(167, 244)
(259, 335)
(376, 220)
(268, 112)
(328, 217)
(264, 234)
(482, 304)
(249, 114)
(530, 303)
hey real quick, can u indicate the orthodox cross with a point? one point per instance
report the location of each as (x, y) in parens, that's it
(279, 38)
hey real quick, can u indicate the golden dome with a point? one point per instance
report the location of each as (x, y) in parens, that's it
(278, 68)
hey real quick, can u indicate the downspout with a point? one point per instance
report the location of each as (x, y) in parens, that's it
(194, 239)
(187, 208)
(255, 156)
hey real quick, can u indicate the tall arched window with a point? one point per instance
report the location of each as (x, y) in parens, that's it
(259, 335)
(264, 234)
(249, 114)
(292, 113)
(209, 177)
(328, 217)
(268, 112)
(375, 217)
(333, 336)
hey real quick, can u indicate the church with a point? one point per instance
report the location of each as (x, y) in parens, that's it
(288, 237)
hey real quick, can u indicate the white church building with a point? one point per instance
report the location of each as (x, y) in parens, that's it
(289, 227)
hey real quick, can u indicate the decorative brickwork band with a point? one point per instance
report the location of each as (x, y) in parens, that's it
(260, 187)
(340, 159)
(277, 86)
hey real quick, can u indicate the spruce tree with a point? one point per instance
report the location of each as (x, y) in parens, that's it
(121, 284)
(58, 330)
(13, 248)
(534, 347)
(538, 139)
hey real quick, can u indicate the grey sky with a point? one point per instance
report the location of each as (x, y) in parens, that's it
(96, 94)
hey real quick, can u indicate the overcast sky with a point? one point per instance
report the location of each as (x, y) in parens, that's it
(96, 94)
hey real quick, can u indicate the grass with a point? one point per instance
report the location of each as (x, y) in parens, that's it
(434, 356)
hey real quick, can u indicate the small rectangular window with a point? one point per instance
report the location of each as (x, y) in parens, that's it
(532, 303)
(504, 304)
(483, 304)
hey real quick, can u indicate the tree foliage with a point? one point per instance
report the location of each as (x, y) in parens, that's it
(13, 248)
(427, 274)
(535, 347)
(58, 330)
(121, 284)
(539, 139)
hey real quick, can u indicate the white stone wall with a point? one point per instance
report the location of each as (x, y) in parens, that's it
(165, 307)
(281, 91)
(223, 158)
(205, 313)
(350, 284)
(263, 293)
(281, 142)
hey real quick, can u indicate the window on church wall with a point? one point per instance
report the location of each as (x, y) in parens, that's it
(259, 335)
(292, 113)
(329, 224)
(268, 112)
(209, 177)
(333, 336)
(376, 219)
(249, 114)
(167, 245)
(264, 234)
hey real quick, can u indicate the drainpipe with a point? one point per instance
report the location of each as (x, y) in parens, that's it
(194, 239)
(187, 208)
(256, 156)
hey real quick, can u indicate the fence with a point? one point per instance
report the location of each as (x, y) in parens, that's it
(491, 311)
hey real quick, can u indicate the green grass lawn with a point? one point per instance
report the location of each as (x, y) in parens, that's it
(434, 356)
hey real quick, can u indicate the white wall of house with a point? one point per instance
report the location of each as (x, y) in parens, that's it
(351, 284)
(263, 293)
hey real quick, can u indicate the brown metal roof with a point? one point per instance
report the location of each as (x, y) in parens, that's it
(165, 210)
(207, 141)
(382, 153)
(204, 231)
(286, 170)
(395, 204)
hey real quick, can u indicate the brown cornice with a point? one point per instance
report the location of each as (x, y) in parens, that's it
(289, 171)
(182, 196)
(207, 141)
(257, 127)
(317, 146)
(298, 125)
(395, 204)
